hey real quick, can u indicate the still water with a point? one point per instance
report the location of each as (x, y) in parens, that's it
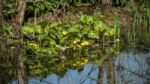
(130, 68)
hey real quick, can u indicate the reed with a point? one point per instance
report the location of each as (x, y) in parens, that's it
(138, 35)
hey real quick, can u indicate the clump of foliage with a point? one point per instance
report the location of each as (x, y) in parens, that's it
(59, 45)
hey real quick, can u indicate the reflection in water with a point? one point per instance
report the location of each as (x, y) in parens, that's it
(132, 68)
(106, 73)
(128, 68)
(87, 76)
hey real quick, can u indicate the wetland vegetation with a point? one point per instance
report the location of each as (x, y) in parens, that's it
(39, 38)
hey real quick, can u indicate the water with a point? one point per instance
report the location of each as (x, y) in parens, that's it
(130, 68)
(135, 68)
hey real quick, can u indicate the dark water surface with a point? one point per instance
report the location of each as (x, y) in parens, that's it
(130, 68)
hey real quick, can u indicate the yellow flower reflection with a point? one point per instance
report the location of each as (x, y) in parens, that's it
(81, 62)
(74, 65)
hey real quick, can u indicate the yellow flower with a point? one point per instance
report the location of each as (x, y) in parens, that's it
(76, 41)
(86, 61)
(84, 43)
(82, 63)
(74, 65)
(64, 33)
(77, 62)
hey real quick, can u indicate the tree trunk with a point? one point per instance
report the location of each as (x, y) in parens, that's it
(110, 71)
(100, 75)
(17, 22)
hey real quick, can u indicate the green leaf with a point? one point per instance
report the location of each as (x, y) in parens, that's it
(93, 35)
(37, 29)
(53, 25)
(99, 25)
(73, 29)
(27, 30)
